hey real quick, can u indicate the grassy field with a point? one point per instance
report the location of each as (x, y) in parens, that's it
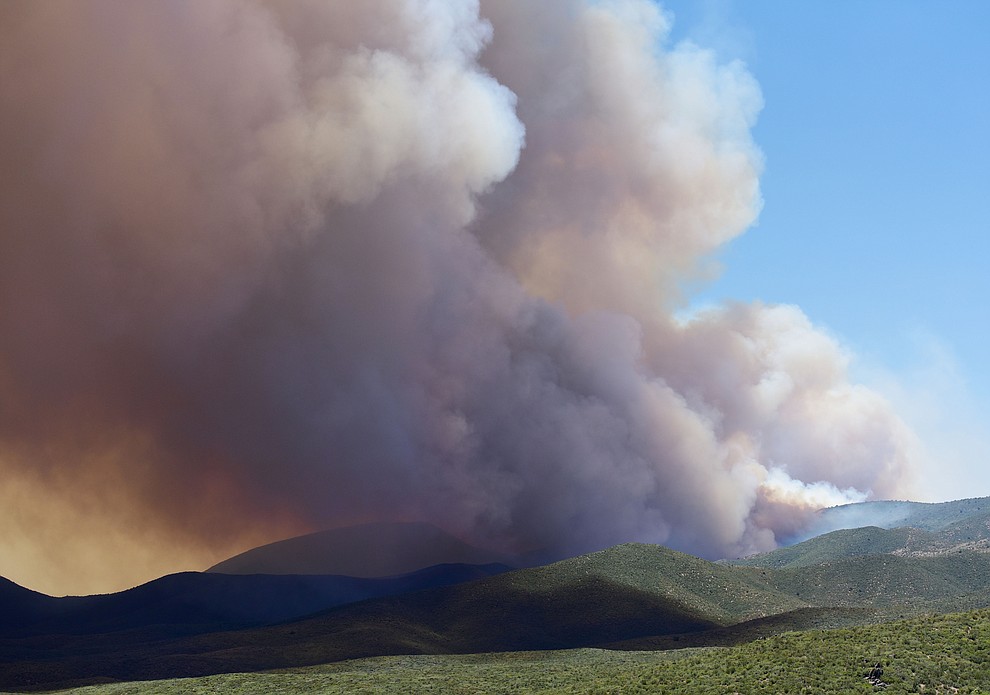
(931, 654)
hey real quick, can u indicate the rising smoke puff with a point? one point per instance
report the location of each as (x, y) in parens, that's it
(268, 268)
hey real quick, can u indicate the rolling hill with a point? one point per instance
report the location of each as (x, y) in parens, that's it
(365, 550)
(632, 596)
(891, 514)
(922, 530)
(840, 545)
(192, 602)
(624, 592)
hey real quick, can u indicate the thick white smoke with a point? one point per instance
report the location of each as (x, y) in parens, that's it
(270, 267)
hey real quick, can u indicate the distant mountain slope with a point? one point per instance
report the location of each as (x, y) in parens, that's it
(972, 531)
(926, 530)
(893, 514)
(21, 606)
(192, 602)
(839, 545)
(367, 550)
(952, 581)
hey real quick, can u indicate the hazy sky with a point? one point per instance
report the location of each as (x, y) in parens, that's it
(268, 268)
(876, 188)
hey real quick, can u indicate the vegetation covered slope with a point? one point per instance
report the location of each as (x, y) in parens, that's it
(922, 530)
(914, 583)
(936, 654)
(893, 514)
(837, 545)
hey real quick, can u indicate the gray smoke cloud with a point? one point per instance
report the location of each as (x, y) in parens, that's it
(273, 267)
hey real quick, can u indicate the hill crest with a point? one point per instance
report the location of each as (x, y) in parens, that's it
(382, 549)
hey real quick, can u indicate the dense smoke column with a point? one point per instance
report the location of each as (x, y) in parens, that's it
(268, 268)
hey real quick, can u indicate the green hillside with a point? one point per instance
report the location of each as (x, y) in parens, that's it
(937, 654)
(923, 530)
(893, 514)
(716, 593)
(940, 515)
(972, 531)
(839, 545)
(891, 581)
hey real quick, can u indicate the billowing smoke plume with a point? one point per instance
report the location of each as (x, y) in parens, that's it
(268, 268)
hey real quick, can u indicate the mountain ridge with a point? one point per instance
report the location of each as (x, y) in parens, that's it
(193, 602)
(380, 549)
(888, 514)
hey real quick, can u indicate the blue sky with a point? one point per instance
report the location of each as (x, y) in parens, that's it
(876, 219)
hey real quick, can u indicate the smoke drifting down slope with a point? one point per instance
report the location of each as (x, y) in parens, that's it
(271, 268)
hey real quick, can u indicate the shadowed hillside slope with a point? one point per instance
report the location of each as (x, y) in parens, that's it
(930, 654)
(621, 593)
(192, 602)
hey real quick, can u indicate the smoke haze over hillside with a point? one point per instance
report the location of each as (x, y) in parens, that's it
(270, 268)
